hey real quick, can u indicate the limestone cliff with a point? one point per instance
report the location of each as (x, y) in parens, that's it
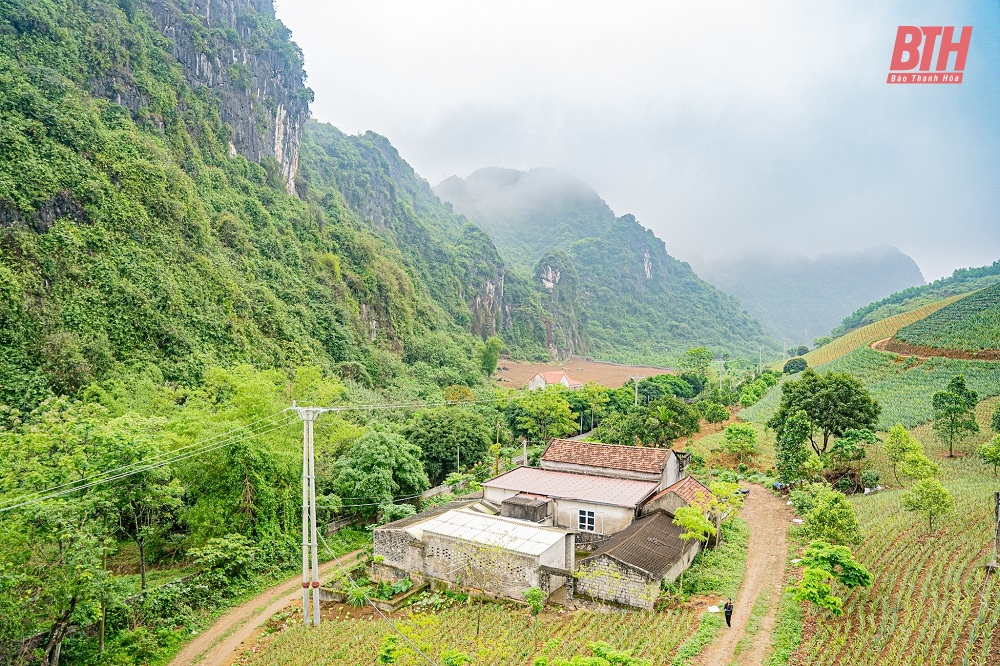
(244, 55)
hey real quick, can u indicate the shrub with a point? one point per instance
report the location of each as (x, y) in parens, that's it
(535, 598)
(870, 478)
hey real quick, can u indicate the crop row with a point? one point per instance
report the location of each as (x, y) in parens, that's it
(905, 386)
(866, 335)
(508, 637)
(971, 324)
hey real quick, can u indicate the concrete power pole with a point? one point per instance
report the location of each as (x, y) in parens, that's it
(310, 542)
(635, 379)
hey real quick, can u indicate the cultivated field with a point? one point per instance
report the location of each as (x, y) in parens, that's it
(516, 375)
(508, 635)
(928, 585)
(866, 335)
(972, 324)
(904, 386)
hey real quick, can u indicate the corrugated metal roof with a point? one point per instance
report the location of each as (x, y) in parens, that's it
(566, 485)
(494, 531)
(651, 544)
(612, 456)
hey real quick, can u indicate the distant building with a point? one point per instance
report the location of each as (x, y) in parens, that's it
(543, 379)
(629, 567)
(662, 466)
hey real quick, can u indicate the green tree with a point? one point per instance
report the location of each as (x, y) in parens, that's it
(794, 365)
(990, 453)
(832, 519)
(488, 355)
(955, 413)
(542, 415)
(916, 466)
(142, 506)
(790, 450)
(899, 443)
(696, 361)
(377, 470)
(669, 419)
(740, 440)
(824, 563)
(447, 437)
(714, 412)
(930, 498)
(725, 500)
(834, 403)
(696, 525)
(995, 420)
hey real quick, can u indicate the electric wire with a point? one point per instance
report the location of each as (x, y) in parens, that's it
(160, 463)
(228, 435)
(251, 429)
(372, 603)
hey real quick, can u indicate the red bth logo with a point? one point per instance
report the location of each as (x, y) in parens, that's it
(914, 50)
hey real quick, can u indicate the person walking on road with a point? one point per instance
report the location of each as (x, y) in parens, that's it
(729, 613)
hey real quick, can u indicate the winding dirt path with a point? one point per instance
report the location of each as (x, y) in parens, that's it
(768, 517)
(215, 645)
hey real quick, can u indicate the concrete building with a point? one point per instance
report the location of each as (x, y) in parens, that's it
(630, 566)
(580, 502)
(665, 467)
(543, 379)
(462, 545)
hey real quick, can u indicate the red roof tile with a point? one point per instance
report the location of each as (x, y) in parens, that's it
(612, 456)
(687, 489)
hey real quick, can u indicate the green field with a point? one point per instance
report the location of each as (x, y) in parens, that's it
(904, 386)
(970, 324)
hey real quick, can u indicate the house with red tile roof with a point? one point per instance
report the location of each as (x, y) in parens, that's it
(661, 466)
(682, 493)
(543, 379)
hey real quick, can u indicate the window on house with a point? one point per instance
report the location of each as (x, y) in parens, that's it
(586, 521)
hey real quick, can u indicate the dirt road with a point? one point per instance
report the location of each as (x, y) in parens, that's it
(215, 645)
(768, 517)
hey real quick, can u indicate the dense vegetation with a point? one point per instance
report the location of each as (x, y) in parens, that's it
(608, 285)
(962, 281)
(970, 324)
(798, 299)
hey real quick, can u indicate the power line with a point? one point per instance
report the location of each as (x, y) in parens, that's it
(166, 461)
(228, 435)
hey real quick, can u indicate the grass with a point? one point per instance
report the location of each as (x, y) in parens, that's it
(757, 614)
(787, 634)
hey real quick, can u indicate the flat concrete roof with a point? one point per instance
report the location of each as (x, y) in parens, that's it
(567, 485)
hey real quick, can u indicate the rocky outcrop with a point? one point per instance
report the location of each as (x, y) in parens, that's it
(240, 51)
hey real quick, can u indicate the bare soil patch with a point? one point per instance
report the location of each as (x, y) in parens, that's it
(904, 349)
(768, 517)
(514, 374)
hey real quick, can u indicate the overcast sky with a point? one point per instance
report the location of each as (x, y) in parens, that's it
(721, 126)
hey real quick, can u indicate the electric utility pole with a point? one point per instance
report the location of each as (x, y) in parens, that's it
(310, 542)
(635, 379)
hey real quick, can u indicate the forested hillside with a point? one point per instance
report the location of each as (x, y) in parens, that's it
(134, 230)
(798, 299)
(608, 284)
